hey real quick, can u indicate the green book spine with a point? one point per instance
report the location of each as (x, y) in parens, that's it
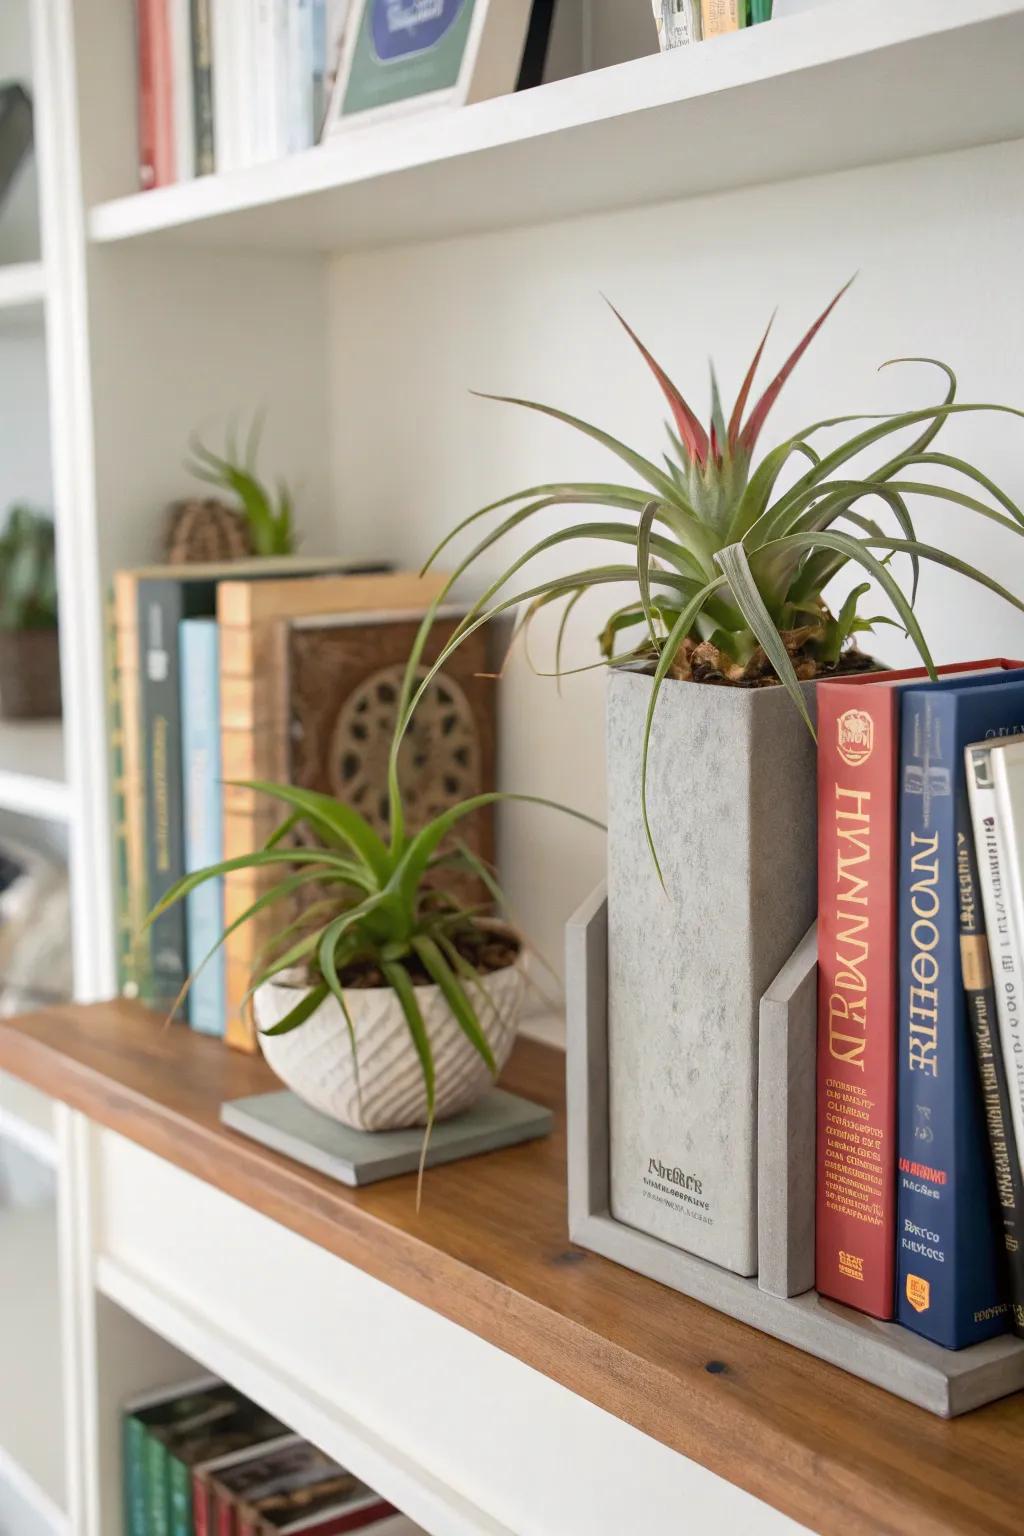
(162, 604)
(202, 87)
(181, 1498)
(760, 10)
(158, 1490)
(133, 1436)
(127, 973)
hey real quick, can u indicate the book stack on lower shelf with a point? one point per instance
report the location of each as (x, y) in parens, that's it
(200, 1459)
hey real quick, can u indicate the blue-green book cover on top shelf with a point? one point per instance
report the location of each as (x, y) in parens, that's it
(950, 1281)
(405, 49)
(199, 656)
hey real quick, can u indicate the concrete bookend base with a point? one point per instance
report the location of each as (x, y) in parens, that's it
(943, 1381)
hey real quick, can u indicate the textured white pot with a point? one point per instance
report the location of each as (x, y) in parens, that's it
(315, 1060)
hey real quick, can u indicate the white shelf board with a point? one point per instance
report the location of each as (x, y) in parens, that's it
(32, 780)
(31, 1402)
(26, 1120)
(842, 86)
(22, 292)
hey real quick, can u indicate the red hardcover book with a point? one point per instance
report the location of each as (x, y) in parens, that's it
(858, 769)
(156, 94)
(147, 99)
(163, 92)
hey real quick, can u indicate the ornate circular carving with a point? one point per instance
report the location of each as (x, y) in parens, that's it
(439, 763)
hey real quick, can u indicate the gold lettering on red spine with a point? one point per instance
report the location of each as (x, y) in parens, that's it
(848, 1002)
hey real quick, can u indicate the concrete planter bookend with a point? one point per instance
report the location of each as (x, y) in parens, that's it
(731, 798)
(780, 1301)
(315, 1060)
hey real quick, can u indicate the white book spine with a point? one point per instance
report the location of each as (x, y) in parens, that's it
(281, 86)
(261, 95)
(995, 855)
(225, 96)
(1008, 773)
(300, 75)
(180, 15)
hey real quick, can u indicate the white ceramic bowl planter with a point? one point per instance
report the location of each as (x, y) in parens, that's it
(315, 1060)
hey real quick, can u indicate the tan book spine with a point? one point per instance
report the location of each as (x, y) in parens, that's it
(126, 620)
(253, 715)
(721, 16)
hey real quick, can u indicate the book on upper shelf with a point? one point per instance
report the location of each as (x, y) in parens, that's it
(950, 1274)
(858, 777)
(225, 86)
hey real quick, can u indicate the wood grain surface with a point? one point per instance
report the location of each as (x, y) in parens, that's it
(489, 1251)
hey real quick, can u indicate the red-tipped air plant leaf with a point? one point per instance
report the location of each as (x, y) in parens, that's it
(752, 431)
(736, 419)
(689, 428)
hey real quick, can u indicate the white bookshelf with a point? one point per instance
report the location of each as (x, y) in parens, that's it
(359, 290)
(32, 777)
(26, 1120)
(31, 1404)
(729, 114)
(22, 290)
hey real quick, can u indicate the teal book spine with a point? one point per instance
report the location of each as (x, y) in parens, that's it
(133, 1441)
(199, 655)
(158, 1492)
(180, 1489)
(163, 603)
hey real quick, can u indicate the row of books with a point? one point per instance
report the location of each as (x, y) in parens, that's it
(200, 1459)
(920, 1173)
(223, 86)
(691, 21)
(270, 670)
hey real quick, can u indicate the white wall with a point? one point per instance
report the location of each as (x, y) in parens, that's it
(937, 244)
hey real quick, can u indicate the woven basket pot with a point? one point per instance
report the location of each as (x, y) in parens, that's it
(315, 1060)
(29, 674)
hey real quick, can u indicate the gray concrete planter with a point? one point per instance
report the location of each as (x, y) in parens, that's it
(731, 792)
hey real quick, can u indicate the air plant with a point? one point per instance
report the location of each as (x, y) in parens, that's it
(28, 571)
(377, 903)
(270, 526)
(730, 562)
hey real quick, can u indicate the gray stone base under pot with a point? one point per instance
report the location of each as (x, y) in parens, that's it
(731, 796)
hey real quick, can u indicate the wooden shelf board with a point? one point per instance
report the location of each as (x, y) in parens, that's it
(836, 88)
(32, 778)
(489, 1251)
(31, 1399)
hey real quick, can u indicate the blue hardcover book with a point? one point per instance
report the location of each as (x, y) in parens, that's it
(950, 1285)
(199, 652)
